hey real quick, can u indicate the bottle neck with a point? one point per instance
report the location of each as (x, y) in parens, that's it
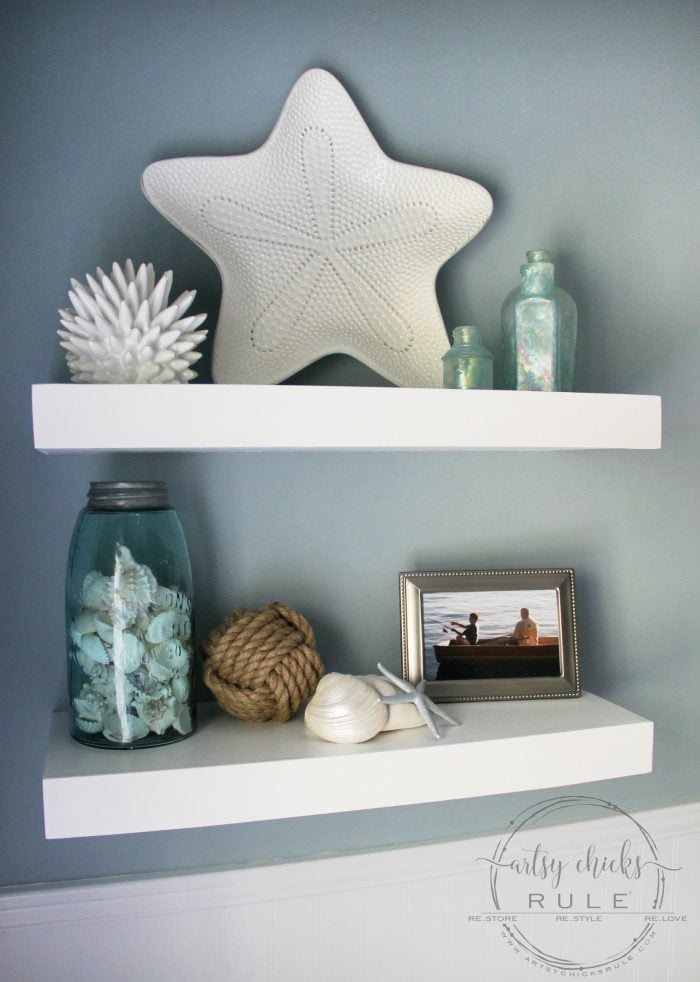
(467, 342)
(537, 279)
(467, 336)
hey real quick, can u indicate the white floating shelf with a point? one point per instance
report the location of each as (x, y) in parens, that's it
(75, 417)
(230, 772)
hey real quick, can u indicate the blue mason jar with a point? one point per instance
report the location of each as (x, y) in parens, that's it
(129, 619)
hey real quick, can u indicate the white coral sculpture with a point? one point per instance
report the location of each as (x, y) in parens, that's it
(122, 329)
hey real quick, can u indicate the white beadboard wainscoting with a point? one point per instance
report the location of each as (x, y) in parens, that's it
(387, 916)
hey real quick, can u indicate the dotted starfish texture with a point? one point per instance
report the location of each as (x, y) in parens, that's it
(324, 244)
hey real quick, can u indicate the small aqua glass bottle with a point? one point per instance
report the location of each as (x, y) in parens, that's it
(467, 364)
(129, 628)
(538, 324)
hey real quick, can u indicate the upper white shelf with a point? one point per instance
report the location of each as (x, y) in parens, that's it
(75, 417)
(230, 771)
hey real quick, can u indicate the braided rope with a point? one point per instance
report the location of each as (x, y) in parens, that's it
(262, 664)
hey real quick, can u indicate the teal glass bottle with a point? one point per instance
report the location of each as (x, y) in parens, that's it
(538, 325)
(129, 619)
(467, 364)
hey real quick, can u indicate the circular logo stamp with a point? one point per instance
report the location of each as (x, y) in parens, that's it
(575, 902)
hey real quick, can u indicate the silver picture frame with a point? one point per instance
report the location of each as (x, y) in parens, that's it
(515, 652)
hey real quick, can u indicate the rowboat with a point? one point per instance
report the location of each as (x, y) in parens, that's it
(497, 660)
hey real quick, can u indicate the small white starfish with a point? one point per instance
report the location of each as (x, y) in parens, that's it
(416, 695)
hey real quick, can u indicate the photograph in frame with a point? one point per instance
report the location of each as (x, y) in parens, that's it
(490, 634)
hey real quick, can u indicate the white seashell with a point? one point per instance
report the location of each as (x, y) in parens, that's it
(169, 624)
(88, 666)
(88, 725)
(104, 626)
(125, 565)
(166, 599)
(140, 625)
(122, 329)
(93, 648)
(158, 714)
(128, 652)
(161, 673)
(86, 622)
(96, 591)
(147, 686)
(124, 729)
(345, 709)
(89, 705)
(124, 558)
(173, 655)
(183, 719)
(102, 681)
(402, 715)
(100, 696)
(135, 587)
(181, 688)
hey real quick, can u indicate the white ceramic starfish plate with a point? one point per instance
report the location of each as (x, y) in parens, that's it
(325, 245)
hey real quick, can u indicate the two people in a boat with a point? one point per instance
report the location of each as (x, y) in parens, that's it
(525, 631)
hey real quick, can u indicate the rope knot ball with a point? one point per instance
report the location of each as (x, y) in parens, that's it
(262, 664)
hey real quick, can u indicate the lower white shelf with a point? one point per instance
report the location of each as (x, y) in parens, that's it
(230, 772)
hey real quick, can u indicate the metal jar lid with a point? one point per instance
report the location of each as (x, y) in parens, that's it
(127, 495)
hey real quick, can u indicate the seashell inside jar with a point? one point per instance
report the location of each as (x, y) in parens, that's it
(129, 620)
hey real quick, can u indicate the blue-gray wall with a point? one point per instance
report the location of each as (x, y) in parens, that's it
(582, 121)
